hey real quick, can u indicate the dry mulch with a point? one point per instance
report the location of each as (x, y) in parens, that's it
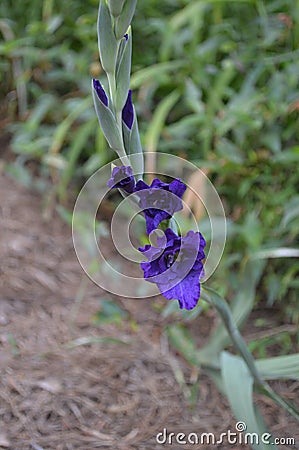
(57, 394)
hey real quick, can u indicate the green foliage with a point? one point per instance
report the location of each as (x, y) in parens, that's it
(234, 65)
(237, 376)
(216, 82)
(48, 54)
(110, 312)
(238, 385)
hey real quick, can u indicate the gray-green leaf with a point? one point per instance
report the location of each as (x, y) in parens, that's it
(108, 123)
(123, 22)
(238, 384)
(123, 74)
(107, 42)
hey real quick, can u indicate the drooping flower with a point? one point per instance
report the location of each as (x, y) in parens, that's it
(128, 111)
(176, 267)
(122, 178)
(159, 201)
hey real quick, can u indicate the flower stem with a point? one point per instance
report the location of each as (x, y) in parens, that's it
(117, 114)
(211, 297)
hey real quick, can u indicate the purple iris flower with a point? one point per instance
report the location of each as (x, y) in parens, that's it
(159, 201)
(122, 178)
(128, 111)
(100, 92)
(177, 266)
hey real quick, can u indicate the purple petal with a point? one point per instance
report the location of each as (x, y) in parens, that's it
(153, 218)
(187, 291)
(122, 178)
(170, 235)
(159, 201)
(151, 252)
(100, 92)
(178, 269)
(177, 187)
(156, 183)
(194, 240)
(151, 268)
(128, 111)
(141, 185)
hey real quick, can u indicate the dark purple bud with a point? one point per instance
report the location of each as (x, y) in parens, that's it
(126, 36)
(128, 111)
(100, 92)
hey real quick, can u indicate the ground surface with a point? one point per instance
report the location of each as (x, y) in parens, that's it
(54, 395)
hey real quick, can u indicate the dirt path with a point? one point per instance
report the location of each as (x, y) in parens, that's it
(54, 395)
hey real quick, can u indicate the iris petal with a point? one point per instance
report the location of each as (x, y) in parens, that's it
(122, 178)
(178, 269)
(159, 201)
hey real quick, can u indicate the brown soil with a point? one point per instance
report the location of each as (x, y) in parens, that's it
(54, 395)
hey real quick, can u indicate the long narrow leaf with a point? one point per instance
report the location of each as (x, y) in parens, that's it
(155, 128)
(286, 366)
(282, 252)
(65, 125)
(238, 384)
(154, 72)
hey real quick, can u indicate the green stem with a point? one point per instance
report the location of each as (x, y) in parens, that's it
(112, 88)
(266, 389)
(223, 309)
(117, 114)
(211, 297)
(111, 76)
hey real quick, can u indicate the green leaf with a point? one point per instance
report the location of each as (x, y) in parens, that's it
(241, 307)
(154, 72)
(123, 74)
(282, 252)
(238, 384)
(291, 211)
(78, 143)
(65, 214)
(110, 313)
(158, 121)
(108, 123)
(54, 23)
(64, 126)
(42, 107)
(20, 173)
(183, 343)
(107, 42)
(115, 7)
(286, 366)
(133, 147)
(123, 22)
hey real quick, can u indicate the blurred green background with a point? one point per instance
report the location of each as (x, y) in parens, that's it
(215, 82)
